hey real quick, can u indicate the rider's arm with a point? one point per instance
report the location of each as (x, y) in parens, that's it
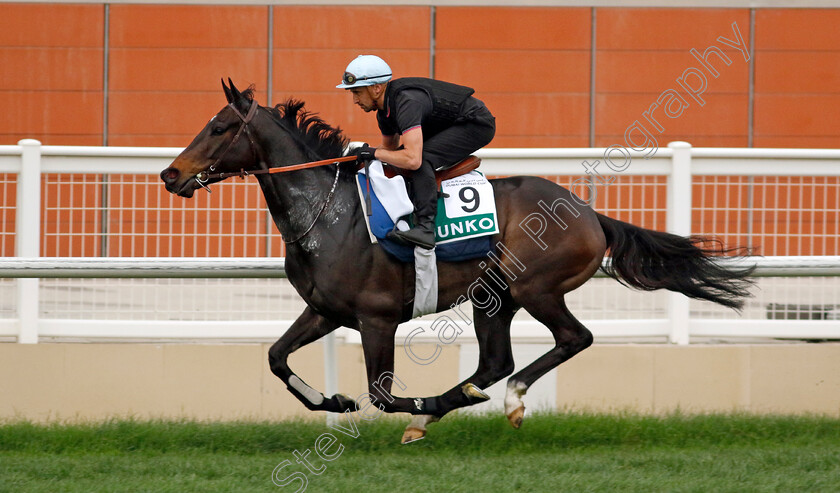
(390, 142)
(409, 156)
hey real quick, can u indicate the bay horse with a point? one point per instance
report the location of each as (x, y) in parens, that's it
(347, 281)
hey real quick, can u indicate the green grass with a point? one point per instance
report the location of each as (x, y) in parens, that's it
(556, 452)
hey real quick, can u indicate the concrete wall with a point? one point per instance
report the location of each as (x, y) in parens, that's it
(96, 381)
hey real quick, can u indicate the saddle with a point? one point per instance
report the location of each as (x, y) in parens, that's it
(444, 173)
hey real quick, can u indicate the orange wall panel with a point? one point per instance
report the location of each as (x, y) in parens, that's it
(54, 117)
(188, 26)
(796, 78)
(186, 70)
(641, 53)
(544, 117)
(796, 72)
(797, 29)
(509, 71)
(513, 28)
(805, 142)
(166, 64)
(529, 65)
(663, 29)
(537, 51)
(806, 115)
(51, 82)
(165, 116)
(655, 71)
(55, 25)
(51, 69)
(332, 27)
(724, 116)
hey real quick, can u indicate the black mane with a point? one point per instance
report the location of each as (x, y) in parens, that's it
(319, 137)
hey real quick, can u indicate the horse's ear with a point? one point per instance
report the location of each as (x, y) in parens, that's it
(228, 94)
(235, 94)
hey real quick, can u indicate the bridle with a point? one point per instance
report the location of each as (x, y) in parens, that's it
(203, 177)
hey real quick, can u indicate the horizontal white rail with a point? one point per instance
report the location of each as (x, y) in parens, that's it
(251, 268)
(523, 331)
(495, 161)
(149, 267)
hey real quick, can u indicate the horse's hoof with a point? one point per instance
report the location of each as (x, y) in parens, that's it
(412, 435)
(474, 393)
(515, 418)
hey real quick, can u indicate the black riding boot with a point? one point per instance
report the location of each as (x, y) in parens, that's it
(424, 197)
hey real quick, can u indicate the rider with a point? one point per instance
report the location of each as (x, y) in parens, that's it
(426, 125)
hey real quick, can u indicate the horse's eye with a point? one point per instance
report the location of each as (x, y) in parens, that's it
(218, 130)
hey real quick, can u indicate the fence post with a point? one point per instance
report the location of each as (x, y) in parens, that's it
(28, 236)
(678, 222)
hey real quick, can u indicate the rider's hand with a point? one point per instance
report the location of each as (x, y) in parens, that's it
(365, 153)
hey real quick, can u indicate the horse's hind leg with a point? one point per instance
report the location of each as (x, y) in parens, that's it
(570, 338)
(495, 357)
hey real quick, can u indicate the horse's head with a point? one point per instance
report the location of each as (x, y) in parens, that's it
(224, 144)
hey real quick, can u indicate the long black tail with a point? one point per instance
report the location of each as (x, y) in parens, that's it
(650, 260)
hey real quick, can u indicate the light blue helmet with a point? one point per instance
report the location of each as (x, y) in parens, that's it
(365, 70)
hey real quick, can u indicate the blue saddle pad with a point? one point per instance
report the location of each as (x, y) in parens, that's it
(381, 224)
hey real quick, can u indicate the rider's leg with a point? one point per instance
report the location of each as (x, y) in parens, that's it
(424, 198)
(457, 142)
(444, 149)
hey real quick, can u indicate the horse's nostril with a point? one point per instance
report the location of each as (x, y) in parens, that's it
(169, 175)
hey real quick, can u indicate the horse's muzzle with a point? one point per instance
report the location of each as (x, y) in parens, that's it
(171, 177)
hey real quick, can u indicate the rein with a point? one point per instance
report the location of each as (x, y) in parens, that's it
(203, 177)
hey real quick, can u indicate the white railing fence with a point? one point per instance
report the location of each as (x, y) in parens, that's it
(30, 327)
(677, 320)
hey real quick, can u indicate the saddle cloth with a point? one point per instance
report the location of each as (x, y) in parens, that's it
(390, 205)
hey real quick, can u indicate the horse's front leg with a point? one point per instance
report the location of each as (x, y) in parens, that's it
(378, 348)
(308, 327)
(494, 363)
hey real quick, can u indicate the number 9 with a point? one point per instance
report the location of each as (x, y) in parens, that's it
(462, 194)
